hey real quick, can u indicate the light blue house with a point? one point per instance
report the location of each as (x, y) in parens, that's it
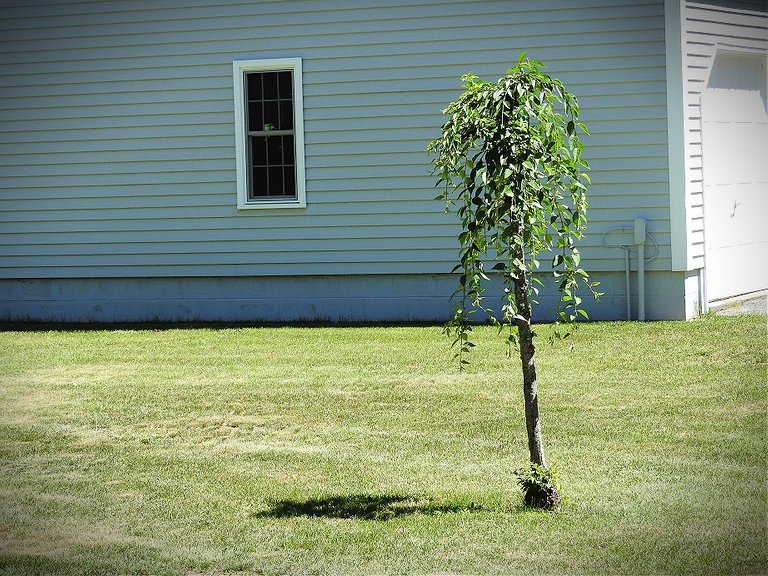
(265, 161)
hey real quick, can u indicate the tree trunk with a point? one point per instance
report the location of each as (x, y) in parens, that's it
(530, 388)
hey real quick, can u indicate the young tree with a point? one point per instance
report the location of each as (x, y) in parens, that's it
(509, 159)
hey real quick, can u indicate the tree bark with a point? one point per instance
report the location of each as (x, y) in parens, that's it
(530, 387)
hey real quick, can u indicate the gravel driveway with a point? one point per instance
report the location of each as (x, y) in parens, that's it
(752, 304)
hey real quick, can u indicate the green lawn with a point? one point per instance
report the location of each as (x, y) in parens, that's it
(364, 451)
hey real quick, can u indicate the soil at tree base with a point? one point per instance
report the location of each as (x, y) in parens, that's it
(544, 497)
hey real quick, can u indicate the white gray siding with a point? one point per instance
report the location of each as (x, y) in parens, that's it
(117, 137)
(707, 25)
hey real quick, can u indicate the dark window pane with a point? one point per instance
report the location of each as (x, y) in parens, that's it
(274, 150)
(285, 81)
(290, 180)
(254, 86)
(286, 115)
(255, 118)
(276, 181)
(270, 85)
(288, 150)
(271, 115)
(258, 181)
(259, 151)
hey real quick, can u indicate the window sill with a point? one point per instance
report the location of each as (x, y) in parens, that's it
(265, 205)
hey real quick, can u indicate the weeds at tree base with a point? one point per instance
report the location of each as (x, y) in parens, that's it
(540, 486)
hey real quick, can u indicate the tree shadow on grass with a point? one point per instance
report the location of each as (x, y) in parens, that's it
(365, 507)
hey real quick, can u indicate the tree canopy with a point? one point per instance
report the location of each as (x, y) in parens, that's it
(510, 163)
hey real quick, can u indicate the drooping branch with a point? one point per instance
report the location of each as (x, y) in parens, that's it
(510, 160)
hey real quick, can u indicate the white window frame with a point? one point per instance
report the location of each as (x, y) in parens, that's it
(239, 68)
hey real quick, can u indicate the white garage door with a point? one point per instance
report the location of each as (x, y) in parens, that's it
(735, 162)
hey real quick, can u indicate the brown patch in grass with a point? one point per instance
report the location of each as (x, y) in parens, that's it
(73, 375)
(23, 405)
(63, 541)
(25, 397)
(216, 573)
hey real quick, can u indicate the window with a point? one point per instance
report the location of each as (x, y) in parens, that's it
(269, 133)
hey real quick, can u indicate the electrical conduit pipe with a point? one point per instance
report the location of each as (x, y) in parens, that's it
(640, 232)
(638, 235)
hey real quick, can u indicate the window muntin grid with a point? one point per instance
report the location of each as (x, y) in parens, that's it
(269, 100)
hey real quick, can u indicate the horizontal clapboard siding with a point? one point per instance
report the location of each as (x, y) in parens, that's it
(739, 25)
(117, 135)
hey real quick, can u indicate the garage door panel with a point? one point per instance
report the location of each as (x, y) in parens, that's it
(739, 211)
(736, 151)
(728, 265)
(730, 105)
